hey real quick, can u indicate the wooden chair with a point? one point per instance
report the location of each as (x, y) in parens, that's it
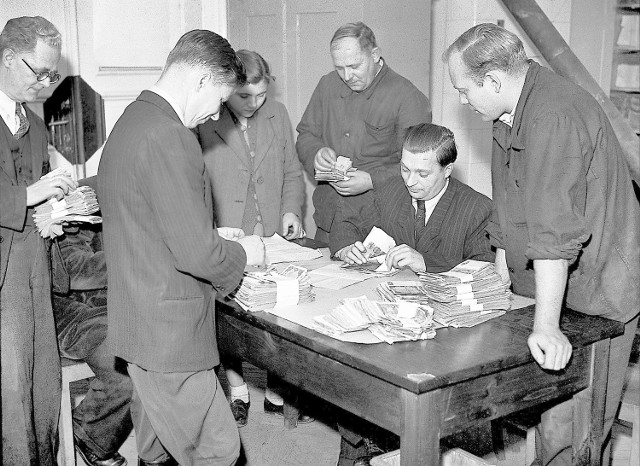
(71, 372)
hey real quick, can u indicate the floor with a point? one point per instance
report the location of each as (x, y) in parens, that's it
(266, 442)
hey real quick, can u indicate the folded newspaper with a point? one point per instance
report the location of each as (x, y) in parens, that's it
(389, 322)
(467, 295)
(76, 206)
(261, 291)
(339, 170)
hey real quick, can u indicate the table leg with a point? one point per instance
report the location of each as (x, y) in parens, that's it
(589, 410)
(290, 412)
(420, 439)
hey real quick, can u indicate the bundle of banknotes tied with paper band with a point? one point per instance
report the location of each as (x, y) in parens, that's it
(467, 295)
(76, 206)
(339, 170)
(387, 321)
(280, 284)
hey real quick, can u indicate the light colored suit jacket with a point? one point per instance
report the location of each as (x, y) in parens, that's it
(278, 174)
(455, 231)
(13, 198)
(165, 260)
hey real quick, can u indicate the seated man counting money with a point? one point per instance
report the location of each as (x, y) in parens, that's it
(436, 221)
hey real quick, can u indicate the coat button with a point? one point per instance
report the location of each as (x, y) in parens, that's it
(260, 180)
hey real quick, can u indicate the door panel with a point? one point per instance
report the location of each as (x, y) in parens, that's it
(293, 36)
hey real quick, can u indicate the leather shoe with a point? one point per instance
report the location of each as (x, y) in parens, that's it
(372, 450)
(278, 410)
(240, 411)
(92, 459)
(168, 462)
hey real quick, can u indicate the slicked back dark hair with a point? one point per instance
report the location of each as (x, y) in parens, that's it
(208, 50)
(22, 34)
(487, 47)
(427, 137)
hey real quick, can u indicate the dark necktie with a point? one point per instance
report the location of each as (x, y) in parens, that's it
(420, 217)
(24, 123)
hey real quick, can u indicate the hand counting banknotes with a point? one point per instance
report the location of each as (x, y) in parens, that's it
(76, 206)
(339, 170)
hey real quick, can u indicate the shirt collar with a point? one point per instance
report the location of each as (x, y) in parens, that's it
(8, 111)
(346, 91)
(507, 118)
(433, 201)
(174, 104)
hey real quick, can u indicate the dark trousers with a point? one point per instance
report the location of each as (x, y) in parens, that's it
(31, 384)
(554, 435)
(102, 420)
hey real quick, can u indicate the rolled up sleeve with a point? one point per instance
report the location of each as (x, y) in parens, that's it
(555, 193)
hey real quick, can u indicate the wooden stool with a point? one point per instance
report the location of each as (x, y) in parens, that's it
(71, 372)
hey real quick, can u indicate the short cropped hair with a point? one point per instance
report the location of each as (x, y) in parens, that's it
(487, 47)
(256, 67)
(362, 32)
(22, 34)
(208, 50)
(427, 137)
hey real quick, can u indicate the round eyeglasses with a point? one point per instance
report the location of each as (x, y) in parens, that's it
(51, 75)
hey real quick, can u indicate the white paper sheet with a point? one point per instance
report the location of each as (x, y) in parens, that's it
(280, 250)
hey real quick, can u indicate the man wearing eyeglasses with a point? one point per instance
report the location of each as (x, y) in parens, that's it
(29, 54)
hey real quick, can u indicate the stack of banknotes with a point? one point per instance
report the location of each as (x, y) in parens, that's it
(387, 321)
(339, 170)
(76, 206)
(467, 295)
(279, 284)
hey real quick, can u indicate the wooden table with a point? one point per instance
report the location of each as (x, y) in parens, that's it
(426, 390)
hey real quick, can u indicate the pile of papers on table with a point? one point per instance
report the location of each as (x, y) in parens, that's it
(467, 295)
(387, 321)
(277, 285)
(76, 206)
(339, 170)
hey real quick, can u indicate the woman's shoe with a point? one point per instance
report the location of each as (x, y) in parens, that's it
(240, 411)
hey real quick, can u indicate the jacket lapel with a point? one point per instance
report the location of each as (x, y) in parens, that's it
(35, 140)
(6, 160)
(227, 131)
(403, 219)
(265, 135)
(436, 220)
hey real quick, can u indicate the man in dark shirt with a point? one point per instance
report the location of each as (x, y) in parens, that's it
(566, 222)
(359, 111)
